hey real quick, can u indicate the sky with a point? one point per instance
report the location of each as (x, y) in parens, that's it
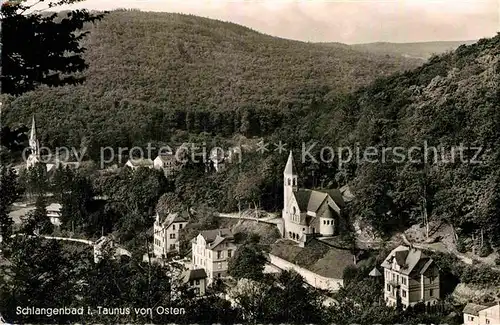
(347, 21)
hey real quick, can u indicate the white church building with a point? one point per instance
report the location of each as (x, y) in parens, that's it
(308, 213)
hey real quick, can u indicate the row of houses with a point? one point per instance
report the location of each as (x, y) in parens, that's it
(167, 161)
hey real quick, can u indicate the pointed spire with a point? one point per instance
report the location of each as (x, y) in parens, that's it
(33, 130)
(290, 168)
(33, 141)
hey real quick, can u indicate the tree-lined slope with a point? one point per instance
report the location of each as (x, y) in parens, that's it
(148, 71)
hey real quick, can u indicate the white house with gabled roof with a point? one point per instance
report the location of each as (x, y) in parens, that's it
(211, 251)
(167, 227)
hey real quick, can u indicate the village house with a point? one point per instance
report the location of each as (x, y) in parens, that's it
(411, 275)
(475, 314)
(167, 162)
(211, 251)
(195, 279)
(166, 232)
(139, 163)
(308, 213)
(54, 213)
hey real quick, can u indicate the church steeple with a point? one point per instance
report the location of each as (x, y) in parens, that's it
(289, 183)
(290, 168)
(33, 141)
(34, 156)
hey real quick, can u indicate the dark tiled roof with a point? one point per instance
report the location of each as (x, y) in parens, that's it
(211, 235)
(473, 309)
(336, 195)
(166, 219)
(411, 261)
(302, 198)
(167, 157)
(311, 200)
(401, 257)
(191, 275)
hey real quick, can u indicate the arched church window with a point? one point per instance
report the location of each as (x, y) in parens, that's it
(294, 210)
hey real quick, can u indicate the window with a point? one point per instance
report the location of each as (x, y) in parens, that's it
(403, 280)
(180, 226)
(471, 318)
(197, 282)
(219, 254)
(403, 293)
(219, 266)
(289, 182)
(172, 246)
(173, 227)
(172, 236)
(218, 275)
(397, 278)
(388, 287)
(229, 253)
(431, 292)
(487, 321)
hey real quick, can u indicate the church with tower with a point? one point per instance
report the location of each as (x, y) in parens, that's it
(309, 213)
(34, 147)
(50, 161)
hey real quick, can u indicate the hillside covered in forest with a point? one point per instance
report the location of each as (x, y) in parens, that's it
(418, 50)
(157, 77)
(150, 71)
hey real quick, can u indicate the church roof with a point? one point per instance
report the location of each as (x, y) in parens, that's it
(311, 200)
(290, 168)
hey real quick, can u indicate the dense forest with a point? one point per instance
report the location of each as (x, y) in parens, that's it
(160, 77)
(152, 75)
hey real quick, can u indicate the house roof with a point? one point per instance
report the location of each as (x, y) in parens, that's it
(473, 309)
(54, 207)
(191, 275)
(211, 235)
(410, 260)
(375, 272)
(166, 219)
(141, 162)
(166, 157)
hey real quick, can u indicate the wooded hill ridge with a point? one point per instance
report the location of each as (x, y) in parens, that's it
(148, 71)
